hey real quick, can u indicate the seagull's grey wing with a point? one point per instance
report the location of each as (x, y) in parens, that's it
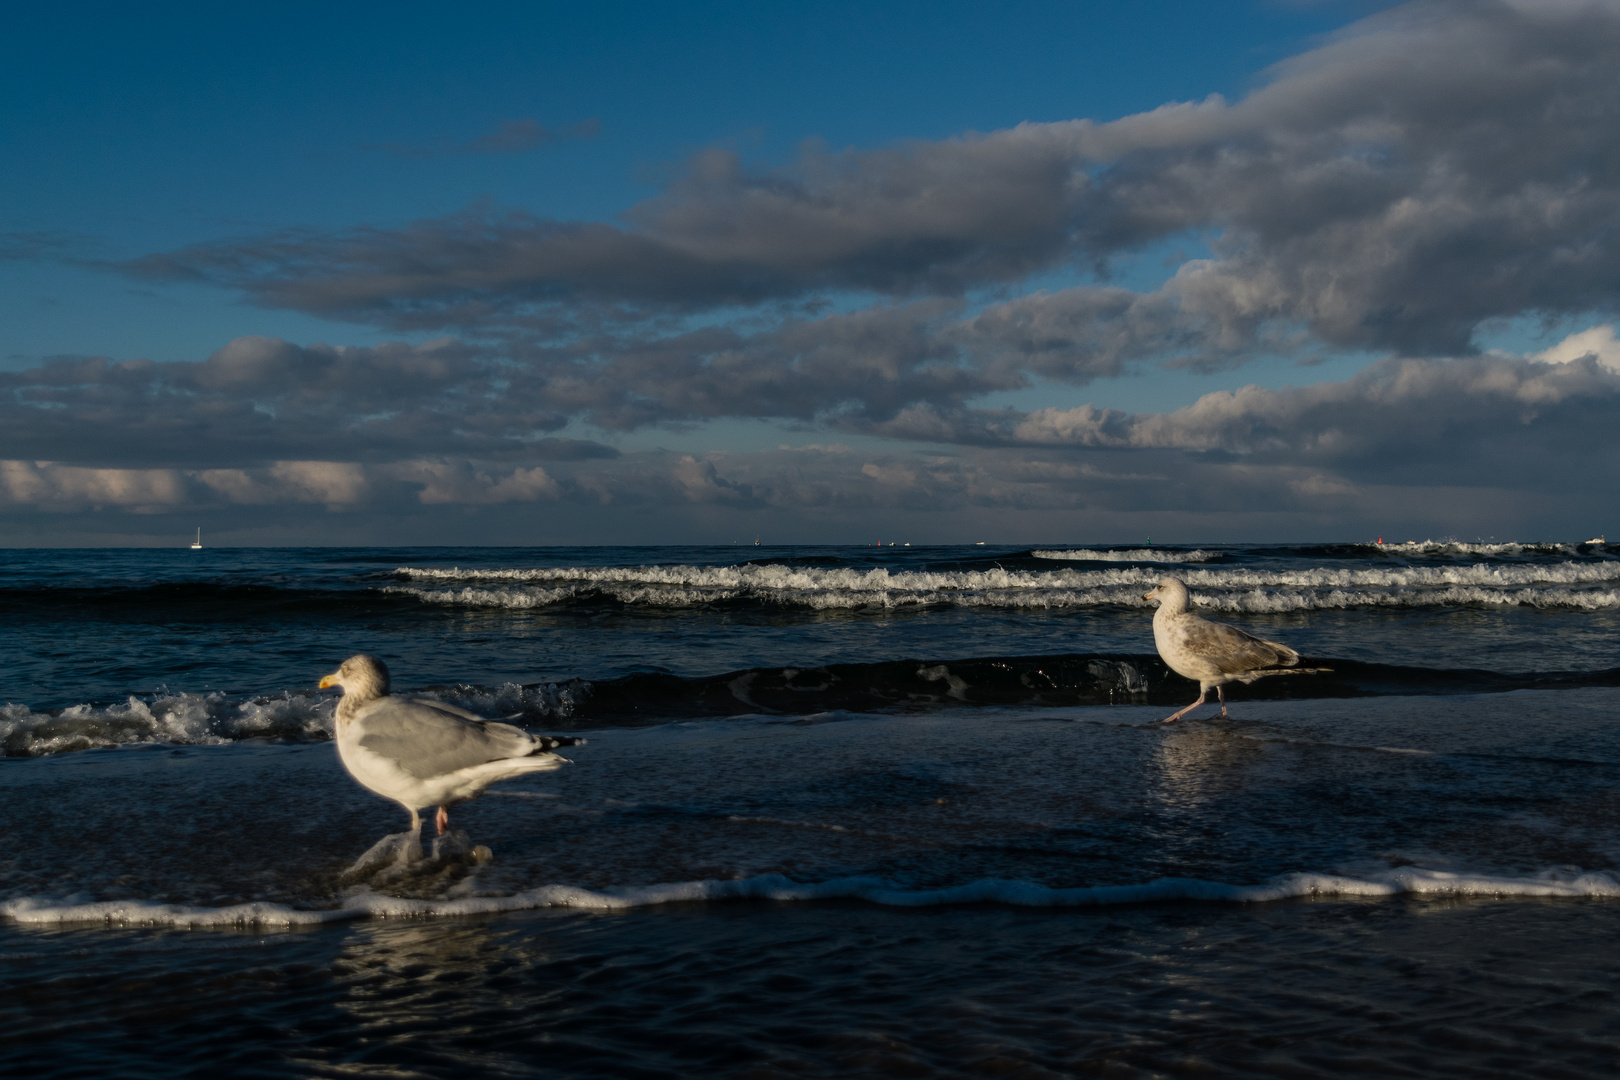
(446, 707)
(427, 742)
(523, 742)
(1232, 650)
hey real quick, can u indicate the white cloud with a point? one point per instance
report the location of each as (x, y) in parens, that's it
(336, 483)
(891, 475)
(1597, 342)
(460, 483)
(699, 481)
(46, 484)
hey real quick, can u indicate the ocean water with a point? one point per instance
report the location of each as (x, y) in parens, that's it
(831, 812)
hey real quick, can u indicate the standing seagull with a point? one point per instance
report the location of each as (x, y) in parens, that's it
(1211, 653)
(425, 753)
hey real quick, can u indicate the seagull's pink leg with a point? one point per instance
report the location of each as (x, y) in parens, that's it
(1221, 693)
(1202, 694)
(413, 843)
(442, 820)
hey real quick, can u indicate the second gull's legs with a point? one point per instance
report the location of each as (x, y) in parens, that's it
(442, 820)
(1219, 692)
(1202, 695)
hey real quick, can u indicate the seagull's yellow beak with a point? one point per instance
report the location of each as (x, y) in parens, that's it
(330, 680)
(1151, 594)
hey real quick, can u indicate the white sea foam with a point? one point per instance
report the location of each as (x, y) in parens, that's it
(1150, 555)
(1258, 602)
(191, 719)
(1569, 584)
(1410, 881)
(1474, 550)
(214, 719)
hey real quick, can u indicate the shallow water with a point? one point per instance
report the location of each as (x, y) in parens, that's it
(1392, 988)
(916, 855)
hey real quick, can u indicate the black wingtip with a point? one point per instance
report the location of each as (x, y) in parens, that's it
(548, 743)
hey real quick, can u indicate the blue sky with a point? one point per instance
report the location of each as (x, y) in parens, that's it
(377, 178)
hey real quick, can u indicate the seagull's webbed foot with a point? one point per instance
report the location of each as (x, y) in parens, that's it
(442, 820)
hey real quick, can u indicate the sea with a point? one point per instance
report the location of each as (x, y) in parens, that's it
(879, 811)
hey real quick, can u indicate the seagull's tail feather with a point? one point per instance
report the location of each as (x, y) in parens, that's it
(1249, 677)
(501, 768)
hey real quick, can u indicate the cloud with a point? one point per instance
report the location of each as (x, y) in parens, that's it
(261, 399)
(892, 475)
(1598, 342)
(701, 482)
(337, 485)
(445, 482)
(869, 363)
(509, 137)
(1428, 172)
(1403, 425)
(1480, 442)
(519, 136)
(46, 484)
(1080, 334)
(1427, 169)
(1474, 420)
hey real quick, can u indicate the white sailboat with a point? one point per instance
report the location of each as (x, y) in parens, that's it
(197, 546)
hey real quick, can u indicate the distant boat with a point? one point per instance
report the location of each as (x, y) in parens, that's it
(197, 546)
(1599, 540)
(979, 544)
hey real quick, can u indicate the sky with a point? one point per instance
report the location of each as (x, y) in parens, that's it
(638, 273)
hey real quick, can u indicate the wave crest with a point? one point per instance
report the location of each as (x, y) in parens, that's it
(1149, 555)
(188, 719)
(1409, 881)
(1577, 585)
(213, 719)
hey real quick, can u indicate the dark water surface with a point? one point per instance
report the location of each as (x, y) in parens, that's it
(1416, 988)
(838, 812)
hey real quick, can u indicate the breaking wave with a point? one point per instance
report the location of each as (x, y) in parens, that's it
(1405, 881)
(185, 719)
(1482, 549)
(1148, 555)
(655, 697)
(1569, 584)
(214, 719)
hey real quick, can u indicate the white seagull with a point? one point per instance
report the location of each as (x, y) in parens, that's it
(425, 753)
(1211, 653)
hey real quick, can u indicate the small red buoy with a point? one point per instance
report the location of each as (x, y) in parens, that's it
(1380, 539)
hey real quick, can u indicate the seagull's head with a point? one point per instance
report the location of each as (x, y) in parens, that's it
(362, 678)
(1171, 593)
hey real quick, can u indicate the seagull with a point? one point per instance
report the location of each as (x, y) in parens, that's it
(1211, 653)
(425, 753)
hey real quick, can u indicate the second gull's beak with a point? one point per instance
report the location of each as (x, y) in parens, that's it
(330, 680)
